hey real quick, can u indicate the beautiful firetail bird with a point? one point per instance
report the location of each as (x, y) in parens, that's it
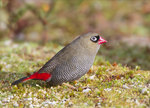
(71, 62)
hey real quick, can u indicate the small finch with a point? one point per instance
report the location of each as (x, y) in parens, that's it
(71, 62)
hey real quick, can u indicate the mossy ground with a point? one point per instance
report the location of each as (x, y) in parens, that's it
(105, 85)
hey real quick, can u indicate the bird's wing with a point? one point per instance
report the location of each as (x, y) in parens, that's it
(62, 56)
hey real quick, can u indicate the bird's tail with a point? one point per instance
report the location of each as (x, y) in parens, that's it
(20, 80)
(36, 76)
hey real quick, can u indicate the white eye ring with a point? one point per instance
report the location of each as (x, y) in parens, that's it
(94, 39)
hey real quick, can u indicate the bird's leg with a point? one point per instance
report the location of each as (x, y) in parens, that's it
(70, 86)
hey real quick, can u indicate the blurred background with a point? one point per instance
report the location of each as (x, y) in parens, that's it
(124, 24)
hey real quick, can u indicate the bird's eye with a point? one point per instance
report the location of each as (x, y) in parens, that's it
(94, 39)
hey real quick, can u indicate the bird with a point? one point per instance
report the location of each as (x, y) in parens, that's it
(71, 62)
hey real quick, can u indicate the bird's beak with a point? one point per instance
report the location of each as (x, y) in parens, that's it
(101, 40)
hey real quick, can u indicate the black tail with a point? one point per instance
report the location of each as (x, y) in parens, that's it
(20, 80)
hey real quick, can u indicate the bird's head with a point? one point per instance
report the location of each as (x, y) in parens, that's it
(92, 39)
(97, 39)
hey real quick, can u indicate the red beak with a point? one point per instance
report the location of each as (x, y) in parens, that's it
(101, 40)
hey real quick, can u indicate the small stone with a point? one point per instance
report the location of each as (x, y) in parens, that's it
(29, 99)
(49, 102)
(5, 100)
(108, 89)
(126, 87)
(85, 104)
(16, 104)
(8, 66)
(70, 104)
(31, 106)
(144, 91)
(86, 90)
(140, 86)
(46, 105)
(53, 103)
(92, 77)
(10, 97)
(37, 85)
(137, 102)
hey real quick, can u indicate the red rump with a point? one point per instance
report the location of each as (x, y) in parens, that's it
(39, 76)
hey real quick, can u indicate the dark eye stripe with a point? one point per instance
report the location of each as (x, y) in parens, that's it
(97, 38)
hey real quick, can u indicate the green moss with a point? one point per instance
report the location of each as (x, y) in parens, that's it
(108, 63)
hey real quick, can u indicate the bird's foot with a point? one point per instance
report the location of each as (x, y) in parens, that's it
(70, 86)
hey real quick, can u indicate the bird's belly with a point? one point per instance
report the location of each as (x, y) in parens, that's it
(70, 72)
